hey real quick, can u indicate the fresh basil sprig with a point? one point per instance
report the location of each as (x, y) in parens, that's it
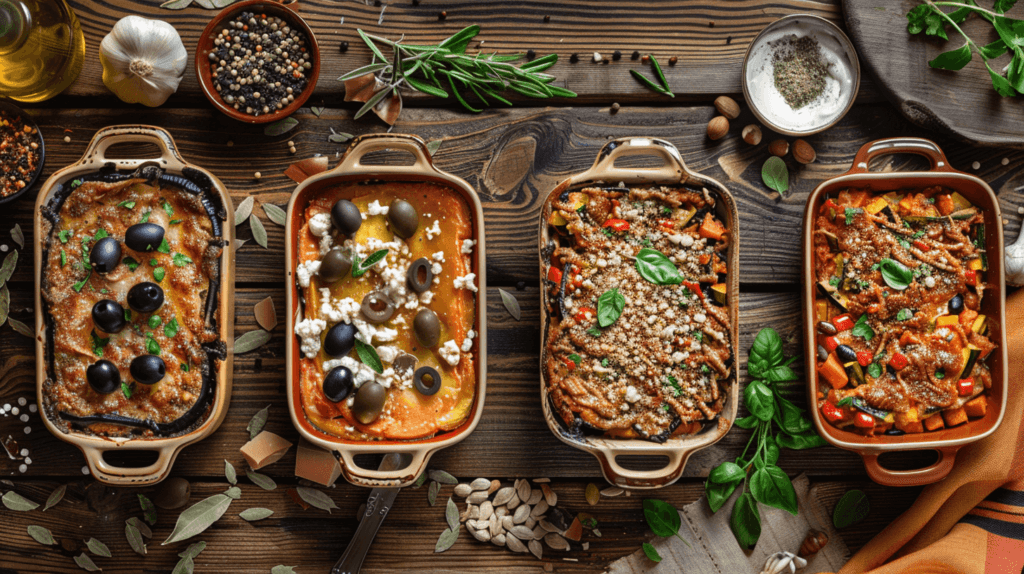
(609, 307)
(862, 329)
(664, 521)
(895, 274)
(653, 266)
(758, 470)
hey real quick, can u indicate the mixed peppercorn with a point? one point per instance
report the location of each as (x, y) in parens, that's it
(20, 153)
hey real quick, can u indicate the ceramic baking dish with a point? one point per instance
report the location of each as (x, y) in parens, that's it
(170, 161)
(679, 448)
(946, 441)
(352, 169)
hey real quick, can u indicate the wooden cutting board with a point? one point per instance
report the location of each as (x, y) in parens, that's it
(960, 103)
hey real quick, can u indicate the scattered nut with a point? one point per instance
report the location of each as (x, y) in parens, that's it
(727, 107)
(778, 148)
(803, 152)
(615, 107)
(718, 127)
(815, 541)
(752, 134)
(672, 61)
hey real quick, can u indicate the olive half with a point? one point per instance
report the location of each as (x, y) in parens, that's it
(346, 217)
(427, 327)
(369, 402)
(403, 218)
(103, 377)
(108, 316)
(146, 297)
(846, 353)
(338, 384)
(420, 275)
(335, 265)
(404, 363)
(147, 369)
(377, 307)
(144, 236)
(105, 255)
(427, 380)
(956, 304)
(340, 340)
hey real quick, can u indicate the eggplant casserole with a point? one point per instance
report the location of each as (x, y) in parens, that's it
(900, 278)
(131, 272)
(638, 344)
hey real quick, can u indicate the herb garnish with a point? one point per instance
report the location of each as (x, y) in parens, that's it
(127, 204)
(904, 315)
(862, 329)
(609, 307)
(181, 260)
(167, 208)
(895, 274)
(653, 266)
(775, 175)
(158, 274)
(663, 520)
(575, 359)
(164, 247)
(98, 343)
(361, 267)
(64, 235)
(368, 355)
(170, 330)
(131, 263)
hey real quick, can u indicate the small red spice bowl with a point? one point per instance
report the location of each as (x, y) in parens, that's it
(204, 72)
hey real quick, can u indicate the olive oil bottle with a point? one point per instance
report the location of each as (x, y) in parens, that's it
(42, 48)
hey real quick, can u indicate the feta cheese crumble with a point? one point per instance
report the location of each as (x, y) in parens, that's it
(450, 352)
(305, 271)
(320, 224)
(466, 282)
(309, 331)
(467, 246)
(375, 208)
(434, 231)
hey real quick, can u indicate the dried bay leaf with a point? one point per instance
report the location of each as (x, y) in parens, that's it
(148, 509)
(280, 127)
(251, 341)
(198, 518)
(18, 236)
(316, 498)
(446, 540)
(229, 472)
(208, 4)
(254, 514)
(184, 566)
(86, 563)
(282, 569)
(176, 4)
(261, 480)
(5, 304)
(15, 501)
(193, 550)
(239, 243)
(134, 536)
(256, 424)
(7, 268)
(223, 3)
(511, 304)
(259, 233)
(317, 110)
(442, 477)
(432, 146)
(265, 313)
(20, 328)
(55, 497)
(451, 514)
(98, 548)
(420, 480)
(432, 491)
(275, 213)
(41, 535)
(234, 492)
(142, 526)
(244, 209)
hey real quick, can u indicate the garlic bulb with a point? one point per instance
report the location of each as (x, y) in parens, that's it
(1014, 260)
(143, 60)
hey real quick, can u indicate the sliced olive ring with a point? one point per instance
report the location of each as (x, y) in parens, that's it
(427, 380)
(377, 307)
(420, 275)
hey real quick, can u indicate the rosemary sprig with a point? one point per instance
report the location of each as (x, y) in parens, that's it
(445, 70)
(661, 89)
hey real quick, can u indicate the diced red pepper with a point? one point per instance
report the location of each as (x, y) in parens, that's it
(832, 413)
(569, 363)
(864, 358)
(898, 361)
(965, 387)
(864, 420)
(921, 245)
(666, 224)
(843, 322)
(971, 277)
(617, 224)
(831, 343)
(554, 274)
(829, 204)
(694, 287)
(584, 314)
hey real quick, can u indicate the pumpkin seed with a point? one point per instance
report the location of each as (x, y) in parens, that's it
(495, 485)
(555, 541)
(480, 484)
(498, 540)
(477, 497)
(486, 510)
(513, 502)
(521, 532)
(593, 494)
(541, 480)
(548, 526)
(549, 495)
(538, 532)
(612, 491)
(521, 514)
(539, 509)
(477, 524)
(507, 523)
(462, 490)
(530, 522)
(474, 513)
(535, 497)
(500, 512)
(494, 525)
(514, 544)
(536, 549)
(481, 535)
(503, 496)
(523, 490)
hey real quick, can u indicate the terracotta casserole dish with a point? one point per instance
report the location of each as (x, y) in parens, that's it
(677, 439)
(200, 373)
(949, 438)
(382, 349)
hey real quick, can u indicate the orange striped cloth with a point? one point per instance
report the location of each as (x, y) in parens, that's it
(972, 522)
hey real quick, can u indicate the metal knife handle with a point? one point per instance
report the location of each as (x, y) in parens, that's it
(377, 507)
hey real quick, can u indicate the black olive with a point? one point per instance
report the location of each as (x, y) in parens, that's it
(403, 218)
(144, 236)
(427, 327)
(427, 380)
(346, 217)
(147, 369)
(338, 384)
(340, 340)
(109, 316)
(846, 353)
(103, 377)
(105, 255)
(956, 305)
(404, 363)
(895, 432)
(420, 275)
(377, 307)
(822, 353)
(146, 297)
(335, 265)
(369, 402)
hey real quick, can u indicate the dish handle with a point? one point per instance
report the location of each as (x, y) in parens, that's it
(368, 143)
(889, 146)
(376, 478)
(106, 137)
(917, 477)
(113, 475)
(618, 475)
(604, 166)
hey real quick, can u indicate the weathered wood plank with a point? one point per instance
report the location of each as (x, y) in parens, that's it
(514, 158)
(312, 540)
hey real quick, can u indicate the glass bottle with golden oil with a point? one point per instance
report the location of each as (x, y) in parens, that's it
(42, 48)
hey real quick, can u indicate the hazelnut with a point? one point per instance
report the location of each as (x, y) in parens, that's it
(778, 148)
(752, 134)
(727, 107)
(815, 541)
(718, 127)
(803, 152)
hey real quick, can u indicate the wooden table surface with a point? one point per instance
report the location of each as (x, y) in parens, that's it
(513, 157)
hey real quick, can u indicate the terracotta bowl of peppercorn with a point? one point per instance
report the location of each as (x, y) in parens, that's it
(277, 65)
(21, 152)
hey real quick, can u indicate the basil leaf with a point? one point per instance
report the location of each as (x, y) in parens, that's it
(779, 374)
(726, 472)
(765, 353)
(895, 274)
(154, 321)
(790, 417)
(164, 247)
(953, 59)
(904, 315)
(759, 400)
(651, 552)
(809, 439)
(181, 260)
(775, 175)
(862, 329)
(1000, 84)
(368, 355)
(653, 266)
(851, 509)
(745, 521)
(874, 371)
(159, 274)
(718, 494)
(747, 422)
(771, 451)
(609, 307)
(662, 517)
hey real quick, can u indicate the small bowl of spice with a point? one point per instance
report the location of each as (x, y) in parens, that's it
(21, 152)
(257, 61)
(800, 75)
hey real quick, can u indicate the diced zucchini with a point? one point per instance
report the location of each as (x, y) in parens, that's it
(961, 202)
(720, 293)
(880, 414)
(915, 219)
(980, 325)
(835, 297)
(963, 214)
(557, 220)
(855, 372)
(970, 354)
(832, 240)
(978, 234)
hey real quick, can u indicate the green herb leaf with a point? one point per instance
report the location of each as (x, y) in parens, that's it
(953, 59)
(258, 420)
(85, 563)
(280, 127)
(662, 517)
(316, 498)
(765, 354)
(134, 536)
(129, 261)
(745, 521)
(874, 370)
(655, 267)
(159, 273)
(809, 439)
(759, 400)
(164, 247)
(56, 496)
(368, 355)
(41, 535)
(152, 346)
(9, 264)
(770, 486)
(148, 509)
(181, 260)
(775, 174)
(904, 315)
(718, 493)
(229, 472)
(259, 233)
(193, 550)
(98, 548)
(361, 267)
(233, 493)
(851, 509)
(575, 359)
(275, 213)
(432, 490)
(154, 321)
(171, 329)
(747, 422)
(140, 525)
(145, 217)
(15, 501)
(594, 332)
(244, 210)
(609, 307)
(862, 329)
(18, 235)
(651, 552)
(254, 514)
(197, 518)
(727, 472)
(251, 340)
(895, 274)
(511, 304)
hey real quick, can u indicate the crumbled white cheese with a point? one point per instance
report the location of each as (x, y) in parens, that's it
(433, 231)
(678, 357)
(385, 334)
(426, 297)
(929, 282)
(467, 344)
(387, 353)
(439, 257)
(450, 352)
(467, 245)
(466, 282)
(309, 331)
(338, 310)
(632, 395)
(346, 361)
(699, 317)
(320, 224)
(305, 271)
(375, 208)
(325, 244)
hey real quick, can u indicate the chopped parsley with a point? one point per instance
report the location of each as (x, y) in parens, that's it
(154, 263)
(164, 247)
(101, 234)
(918, 235)
(665, 407)
(131, 263)
(846, 401)
(78, 286)
(127, 204)
(127, 314)
(850, 212)
(904, 315)
(98, 343)
(676, 389)
(171, 329)
(76, 182)
(181, 260)
(940, 374)
(184, 367)
(834, 282)
(604, 362)
(594, 332)
(154, 321)
(64, 235)
(575, 358)
(63, 258)
(704, 369)
(167, 208)
(607, 232)
(699, 335)
(158, 274)
(152, 347)
(126, 389)
(145, 217)
(176, 221)
(874, 370)
(666, 211)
